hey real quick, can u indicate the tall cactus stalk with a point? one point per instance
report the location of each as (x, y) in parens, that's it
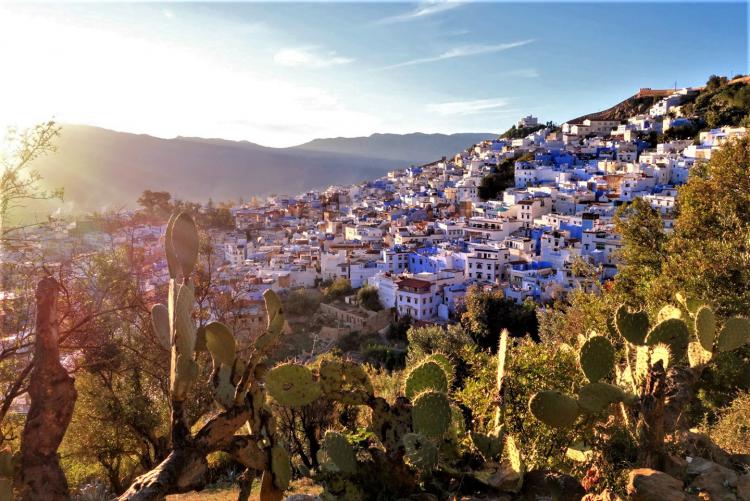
(238, 387)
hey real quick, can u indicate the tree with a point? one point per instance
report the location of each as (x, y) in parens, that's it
(340, 288)
(156, 204)
(643, 249)
(489, 312)
(708, 256)
(502, 178)
(368, 298)
(19, 182)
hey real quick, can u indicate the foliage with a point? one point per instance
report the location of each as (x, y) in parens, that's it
(721, 103)
(732, 430)
(520, 132)
(501, 178)
(339, 289)
(489, 312)
(368, 298)
(302, 302)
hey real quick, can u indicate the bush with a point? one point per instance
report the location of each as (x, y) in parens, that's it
(732, 431)
(368, 298)
(339, 289)
(302, 302)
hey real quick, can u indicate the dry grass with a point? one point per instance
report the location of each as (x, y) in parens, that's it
(229, 493)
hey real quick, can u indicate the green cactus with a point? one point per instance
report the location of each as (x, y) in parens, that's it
(697, 355)
(276, 321)
(705, 327)
(632, 326)
(595, 397)
(516, 460)
(427, 375)
(445, 363)
(220, 343)
(182, 235)
(421, 453)
(672, 332)
(554, 408)
(340, 452)
(160, 324)
(281, 467)
(391, 423)
(597, 358)
(734, 333)
(668, 311)
(292, 385)
(489, 445)
(431, 414)
(345, 382)
(223, 388)
(661, 353)
(184, 370)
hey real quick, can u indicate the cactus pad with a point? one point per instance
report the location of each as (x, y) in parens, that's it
(281, 467)
(223, 388)
(445, 363)
(431, 414)
(184, 242)
(490, 445)
(697, 355)
(705, 327)
(661, 353)
(516, 460)
(276, 321)
(674, 333)
(220, 343)
(340, 452)
(632, 326)
(160, 324)
(554, 408)
(390, 423)
(668, 311)
(292, 385)
(595, 397)
(734, 333)
(597, 358)
(428, 375)
(421, 453)
(345, 381)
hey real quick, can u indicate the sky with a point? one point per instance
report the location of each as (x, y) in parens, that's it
(280, 74)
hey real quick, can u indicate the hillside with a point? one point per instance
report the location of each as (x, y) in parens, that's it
(103, 168)
(424, 147)
(628, 107)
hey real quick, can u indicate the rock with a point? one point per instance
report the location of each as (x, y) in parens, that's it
(504, 478)
(544, 484)
(605, 495)
(711, 480)
(645, 484)
(743, 487)
(675, 466)
(302, 497)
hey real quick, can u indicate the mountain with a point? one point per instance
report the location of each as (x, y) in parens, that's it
(634, 105)
(102, 168)
(416, 147)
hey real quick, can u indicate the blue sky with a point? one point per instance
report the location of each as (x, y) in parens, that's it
(283, 73)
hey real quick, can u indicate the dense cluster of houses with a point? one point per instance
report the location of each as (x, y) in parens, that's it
(422, 236)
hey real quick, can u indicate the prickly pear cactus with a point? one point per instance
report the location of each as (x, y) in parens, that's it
(597, 358)
(292, 385)
(431, 414)
(427, 375)
(421, 453)
(554, 408)
(632, 326)
(340, 452)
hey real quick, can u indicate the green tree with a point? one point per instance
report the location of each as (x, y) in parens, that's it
(339, 289)
(489, 312)
(502, 178)
(643, 249)
(368, 298)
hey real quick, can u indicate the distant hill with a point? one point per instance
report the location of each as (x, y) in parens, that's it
(416, 147)
(633, 105)
(102, 168)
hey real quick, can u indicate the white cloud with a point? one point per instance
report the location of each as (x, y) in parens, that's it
(462, 51)
(309, 57)
(473, 107)
(423, 10)
(169, 14)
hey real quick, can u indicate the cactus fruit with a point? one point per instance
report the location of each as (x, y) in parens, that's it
(220, 343)
(554, 408)
(160, 324)
(281, 467)
(705, 327)
(431, 414)
(428, 375)
(672, 332)
(184, 243)
(292, 385)
(340, 452)
(421, 453)
(490, 445)
(597, 358)
(595, 397)
(734, 334)
(632, 326)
